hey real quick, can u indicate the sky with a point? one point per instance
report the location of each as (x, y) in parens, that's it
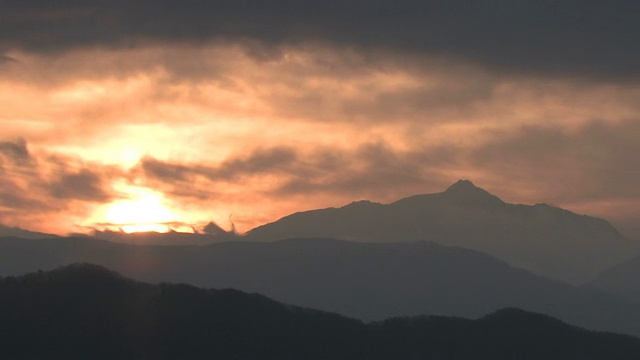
(151, 115)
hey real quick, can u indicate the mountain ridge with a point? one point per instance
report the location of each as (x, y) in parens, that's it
(544, 239)
(22, 233)
(620, 279)
(541, 238)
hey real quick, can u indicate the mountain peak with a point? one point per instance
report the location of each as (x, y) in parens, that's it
(462, 185)
(466, 191)
(361, 204)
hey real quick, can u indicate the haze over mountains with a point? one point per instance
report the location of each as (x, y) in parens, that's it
(543, 239)
(394, 264)
(369, 281)
(127, 126)
(621, 279)
(84, 311)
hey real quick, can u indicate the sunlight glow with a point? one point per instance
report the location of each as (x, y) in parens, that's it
(144, 212)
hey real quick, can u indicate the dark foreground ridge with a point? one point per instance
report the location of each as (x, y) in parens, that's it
(89, 312)
(366, 281)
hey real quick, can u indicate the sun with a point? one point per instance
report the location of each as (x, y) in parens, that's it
(143, 212)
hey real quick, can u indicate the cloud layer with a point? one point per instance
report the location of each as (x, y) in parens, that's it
(259, 109)
(559, 37)
(40, 189)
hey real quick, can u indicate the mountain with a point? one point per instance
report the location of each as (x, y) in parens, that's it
(369, 281)
(543, 239)
(21, 233)
(85, 311)
(621, 279)
(168, 238)
(88, 312)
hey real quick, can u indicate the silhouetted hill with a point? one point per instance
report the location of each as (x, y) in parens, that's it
(543, 239)
(522, 335)
(88, 312)
(369, 281)
(621, 279)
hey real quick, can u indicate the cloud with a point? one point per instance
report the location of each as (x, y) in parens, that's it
(590, 169)
(579, 168)
(6, 59)
(16, 151)
(587, 168)
(568, 37)
(270, 161)
(247, 173)
(258, 162)
(598, 159)
(223, 93)
(40, 184)
(371, 169)
(81, 185)
(595, 161)
(272, 108)
(13, 197)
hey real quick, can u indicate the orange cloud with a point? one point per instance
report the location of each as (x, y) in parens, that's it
(219, 130)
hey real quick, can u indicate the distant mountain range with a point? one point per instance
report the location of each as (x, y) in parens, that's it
(169, 238)
(621, 279)
(369, 281)
(24, 234)
(394, 264)
(543, 239)
(89, 312)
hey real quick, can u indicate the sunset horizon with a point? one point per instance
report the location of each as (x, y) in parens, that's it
(320, 179)
(111, 109)
(147, 214)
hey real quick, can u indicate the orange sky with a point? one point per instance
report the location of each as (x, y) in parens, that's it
(185, 133)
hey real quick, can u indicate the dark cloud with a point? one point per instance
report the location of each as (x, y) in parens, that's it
(370, 170)
(202, 181)
(83, 185)
(258, 162)
(16, 151)
(273, 160)
(15, 197)
(16, 170)
(44, 184)
(576, 37)
(167, 172)
(361, 93)
(6, 59)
